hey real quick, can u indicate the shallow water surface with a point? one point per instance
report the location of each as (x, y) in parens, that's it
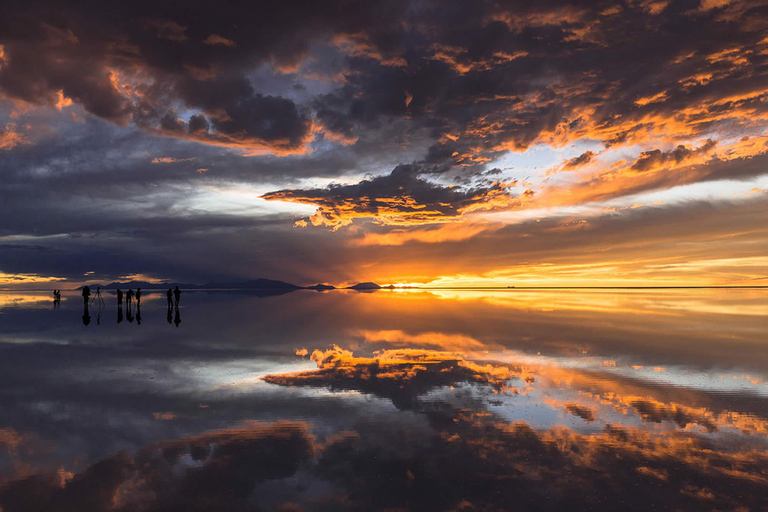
(393, 400)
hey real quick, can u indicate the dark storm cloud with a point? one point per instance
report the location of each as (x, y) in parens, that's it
(503, 75)
(398, 198)
(500, 75)
(134, 62)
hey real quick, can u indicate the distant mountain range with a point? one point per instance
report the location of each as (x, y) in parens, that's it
(254, 284)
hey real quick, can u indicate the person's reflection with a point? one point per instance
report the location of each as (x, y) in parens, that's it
(86, 314)
(138, 313)
(119, 311)
(170, 312)
(177, 317)
(129, 309)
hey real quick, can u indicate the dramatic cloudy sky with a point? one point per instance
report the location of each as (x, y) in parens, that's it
(461, 142)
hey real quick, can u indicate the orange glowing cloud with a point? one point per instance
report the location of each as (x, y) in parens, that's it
(461, 62)
(10, 439)
(10, 138)
(359, 45)
(451, 232)
(247, 144)
(451, 342)
(26, 279)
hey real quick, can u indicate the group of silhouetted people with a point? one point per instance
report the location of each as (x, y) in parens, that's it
(56, 298)
(173, 306)
(130, 296)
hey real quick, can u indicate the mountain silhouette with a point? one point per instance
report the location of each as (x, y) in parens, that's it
(321, 287)
(365, 286)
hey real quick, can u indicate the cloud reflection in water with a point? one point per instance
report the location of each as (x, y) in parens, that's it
(520, 401)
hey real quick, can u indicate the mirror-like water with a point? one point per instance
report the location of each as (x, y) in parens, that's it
(393, 400)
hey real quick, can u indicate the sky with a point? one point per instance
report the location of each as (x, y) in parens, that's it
(457, 143)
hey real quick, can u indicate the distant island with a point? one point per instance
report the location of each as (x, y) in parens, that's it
(365, 286)
(321, 287)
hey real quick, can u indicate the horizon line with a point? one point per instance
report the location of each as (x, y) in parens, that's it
(458, 288)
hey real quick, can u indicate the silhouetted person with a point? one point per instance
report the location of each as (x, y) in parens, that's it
(119, 298)
(86, 294)
(177, 317)
(119, 312)
(138, 297)
(169, 294)
(177, 294)
(86, 313)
